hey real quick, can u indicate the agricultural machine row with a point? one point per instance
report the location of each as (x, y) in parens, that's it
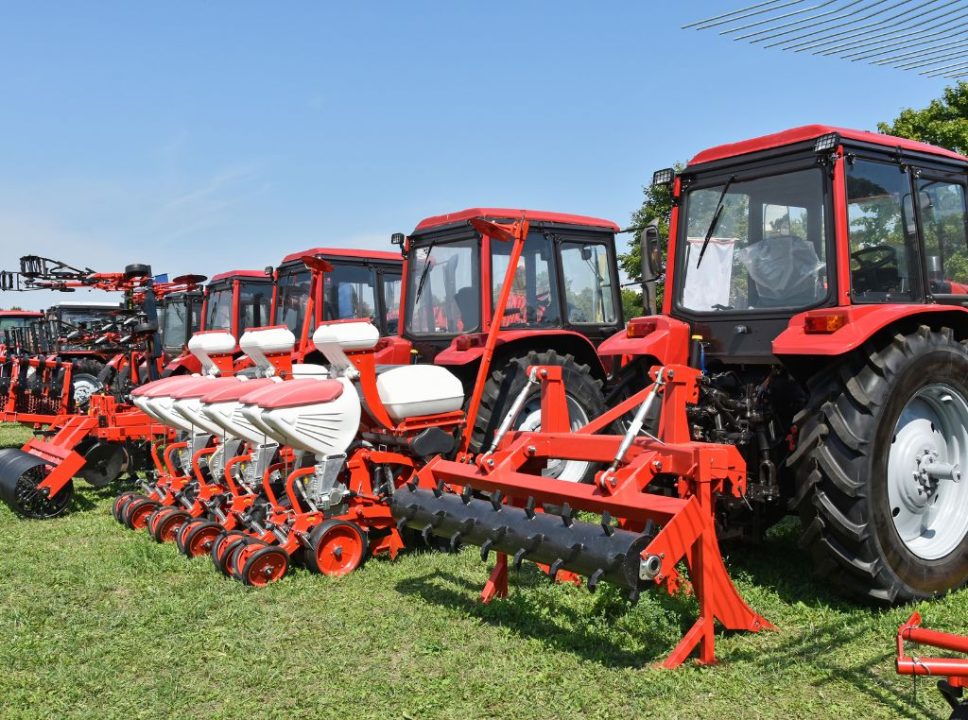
(809, 357)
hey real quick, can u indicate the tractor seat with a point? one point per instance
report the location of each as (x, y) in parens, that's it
(410, 391)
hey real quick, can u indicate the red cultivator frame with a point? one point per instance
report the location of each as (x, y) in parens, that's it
(954, 670)
(661, 490)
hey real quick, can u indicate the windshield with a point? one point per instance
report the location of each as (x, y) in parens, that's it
(255, 301)
(219, 313)
(293, 293)
(391, 301)
(533, 300)
(349, 291)
(179, 319)
(85, 317)
(767, 247)
(9, 323)
(443, 296)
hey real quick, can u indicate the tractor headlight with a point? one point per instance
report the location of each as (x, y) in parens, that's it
(826, 143)
(664, 176)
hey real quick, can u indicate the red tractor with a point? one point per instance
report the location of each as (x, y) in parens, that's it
(564, 300)
(814, 319)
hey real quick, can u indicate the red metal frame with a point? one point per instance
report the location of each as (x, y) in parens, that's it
(954, 670)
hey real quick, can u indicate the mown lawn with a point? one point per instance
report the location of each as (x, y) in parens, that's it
(100, 622)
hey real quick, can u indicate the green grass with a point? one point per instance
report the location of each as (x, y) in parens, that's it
(97, 621)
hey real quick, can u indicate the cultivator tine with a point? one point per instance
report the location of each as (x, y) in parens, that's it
(519, 558)
(594, 579)
(555, 568)
(607, 523)
(529, 507)
(466, 494)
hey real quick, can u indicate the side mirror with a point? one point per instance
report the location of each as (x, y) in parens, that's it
(652, 267)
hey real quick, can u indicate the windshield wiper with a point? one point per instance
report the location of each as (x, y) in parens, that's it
(715, 221)
(423, 274)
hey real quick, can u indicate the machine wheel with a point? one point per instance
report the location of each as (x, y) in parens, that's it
(265, 565)
(585, 402)
(217, 551)
(135, 513)
(200, 537)
(229, 549)
(183, 532)
(103, 463)
(84, 381)
(883, 446)
(336, 547)
(137, 270)
(20, 474)
(238, 554)
(121, 501)
(167, 524)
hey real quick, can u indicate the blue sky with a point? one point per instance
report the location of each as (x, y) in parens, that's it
(203, 136)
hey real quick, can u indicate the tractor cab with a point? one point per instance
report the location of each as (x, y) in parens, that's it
(237, 300)
(10, 319)
(812, 218)
(362, 284)
(73, 322)
(565, 285)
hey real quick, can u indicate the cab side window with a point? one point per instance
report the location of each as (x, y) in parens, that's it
(942, 205)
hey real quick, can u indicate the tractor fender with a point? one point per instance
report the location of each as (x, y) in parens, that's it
(184, 364)
(466, 350)
(859, 323)
(658, 336)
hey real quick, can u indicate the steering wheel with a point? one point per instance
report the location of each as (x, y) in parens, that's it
(887, 253)
(871, 260)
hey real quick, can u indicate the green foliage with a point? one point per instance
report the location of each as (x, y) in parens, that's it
(943, 122)
(631, 303)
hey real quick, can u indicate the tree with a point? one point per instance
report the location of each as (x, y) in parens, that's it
(943, 122)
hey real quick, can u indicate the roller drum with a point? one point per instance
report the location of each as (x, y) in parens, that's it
(597, 551)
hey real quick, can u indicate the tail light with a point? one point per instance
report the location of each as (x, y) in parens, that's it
(824, 322)
(640, 327)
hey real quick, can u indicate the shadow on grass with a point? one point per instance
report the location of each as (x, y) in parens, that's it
(538, 616)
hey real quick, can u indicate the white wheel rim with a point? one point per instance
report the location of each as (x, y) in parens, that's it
(569, 470)
(926, 487)
(84, 387)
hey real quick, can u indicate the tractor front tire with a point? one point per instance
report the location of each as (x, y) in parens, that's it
(882, 447)
(585, 403)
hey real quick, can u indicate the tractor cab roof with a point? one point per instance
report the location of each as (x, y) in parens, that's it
(806, 133)
(233, 274)
(534, 216)
(21, 313)
(324, 252)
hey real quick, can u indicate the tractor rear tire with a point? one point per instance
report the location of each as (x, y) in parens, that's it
(876, 524)
(585, 402)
